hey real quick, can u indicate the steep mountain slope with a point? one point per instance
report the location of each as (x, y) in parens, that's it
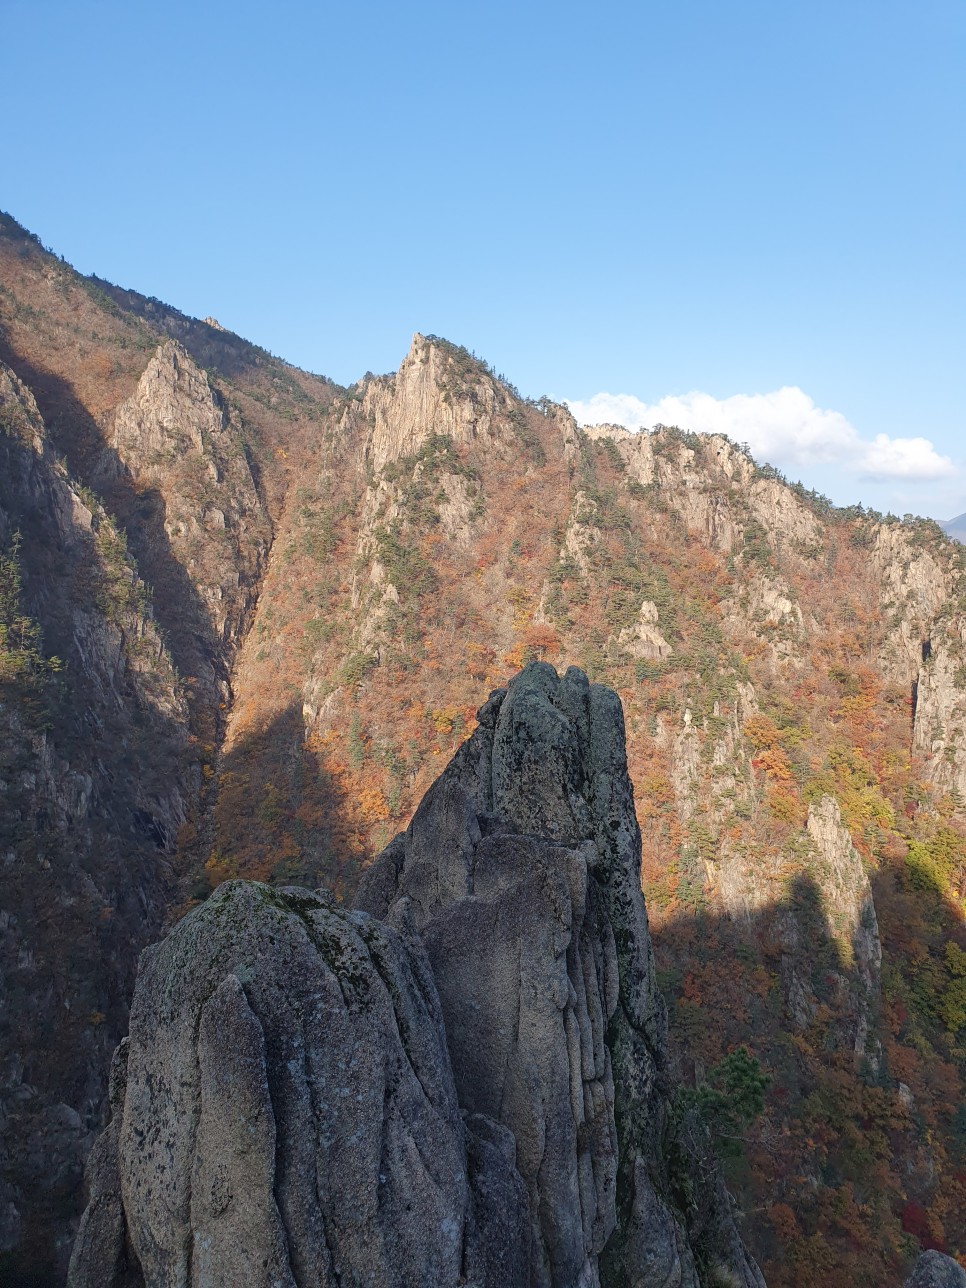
(137, 495)
(332, 577)
(794, 683)
(94, 788)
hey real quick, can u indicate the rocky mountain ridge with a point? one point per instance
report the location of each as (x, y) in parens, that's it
(179, 449)
(314, 587)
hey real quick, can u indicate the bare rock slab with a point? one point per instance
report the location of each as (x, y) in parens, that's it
(289, 1114)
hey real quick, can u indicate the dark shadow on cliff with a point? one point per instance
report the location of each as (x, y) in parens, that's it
(93, 762)
(837, 1178)
(177, 606)
(278, 816)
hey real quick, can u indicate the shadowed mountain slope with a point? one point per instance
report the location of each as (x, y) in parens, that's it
(137, 503)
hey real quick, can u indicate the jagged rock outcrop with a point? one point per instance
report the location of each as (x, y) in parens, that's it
(284, 1113)
(521, 872)
(438, 389)
(204, 533)
(582, 534)
(700, 488)
(644, 640)
(852, 923)
(936, 1270)
(298, 1103)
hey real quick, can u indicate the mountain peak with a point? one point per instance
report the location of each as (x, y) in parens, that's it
(955, 528)
(440, 389)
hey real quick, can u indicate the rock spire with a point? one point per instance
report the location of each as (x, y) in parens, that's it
(460, 1081)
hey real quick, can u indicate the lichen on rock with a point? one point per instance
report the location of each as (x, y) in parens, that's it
(521, 870)
(936, 1270)
(461, 1081)
(289, 1114)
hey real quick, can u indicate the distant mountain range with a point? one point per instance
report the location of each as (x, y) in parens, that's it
(955, 528)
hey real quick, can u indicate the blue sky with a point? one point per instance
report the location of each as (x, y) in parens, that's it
(746, 215)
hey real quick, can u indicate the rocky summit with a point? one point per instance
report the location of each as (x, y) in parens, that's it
(461, 1081)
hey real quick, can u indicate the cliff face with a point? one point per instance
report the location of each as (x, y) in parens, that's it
(93, 793)
(201, 530)
(437, 390)
(295, 1074)
(922, 601)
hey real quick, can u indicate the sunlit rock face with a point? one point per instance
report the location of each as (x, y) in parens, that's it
(183, 453)
(434, 392)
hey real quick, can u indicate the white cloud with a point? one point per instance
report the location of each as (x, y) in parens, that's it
(905, 458)
(784, 428)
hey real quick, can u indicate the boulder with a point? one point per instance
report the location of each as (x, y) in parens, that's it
(288, 1115)
(936, 1270)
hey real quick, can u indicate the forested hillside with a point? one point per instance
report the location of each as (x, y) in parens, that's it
(275, 607)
